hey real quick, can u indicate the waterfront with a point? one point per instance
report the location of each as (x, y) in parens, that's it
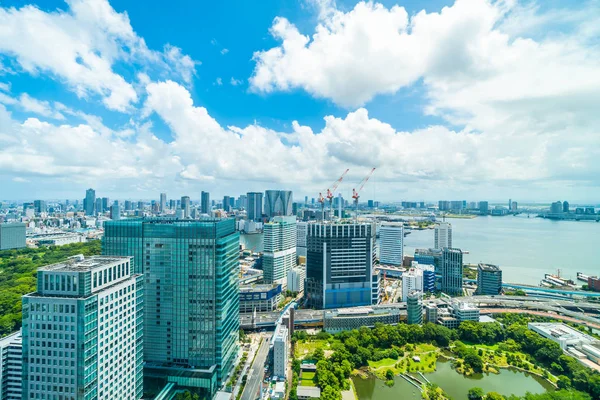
(525, 248)
(507, 382)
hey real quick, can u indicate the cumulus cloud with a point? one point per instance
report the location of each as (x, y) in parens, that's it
(87, 41)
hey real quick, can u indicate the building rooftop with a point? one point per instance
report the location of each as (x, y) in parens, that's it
(13, 337)
(489, 267)
(81, 264)
(561, 331)
(309, 391)
(261, 287)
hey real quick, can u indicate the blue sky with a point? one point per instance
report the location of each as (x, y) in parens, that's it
(466, 99)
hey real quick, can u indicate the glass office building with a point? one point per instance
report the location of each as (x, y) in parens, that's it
(191, 285)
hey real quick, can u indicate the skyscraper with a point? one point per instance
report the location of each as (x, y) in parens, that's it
(484, 208)
(278, 202)
(452, 271)
(489, 279)
(443, 235)
(115, 211)
(163, 202)
(565, 206)
(391, 249)
(227, 203)
(205, 203)
(186, 206)
(191, 295)
(89, 202)
(84, 325)
(98, 207)
(414, 307)
(279, 255)
(105, 205)
(339, 265)
(40, 206)
(11, 368)
(255, 206)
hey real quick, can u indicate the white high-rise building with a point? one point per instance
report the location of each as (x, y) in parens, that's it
(301, 234)
(295, 279)
(391, 249)
(412, 280)
(279, 255)
(83, 331)
(11, 369)
(280, 352)
(443, 235)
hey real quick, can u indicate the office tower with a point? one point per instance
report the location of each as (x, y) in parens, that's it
(301, 234)
(140, 205)
(128, 205)
(186, 206)
(443, 235)
(340, 205)
(12, 236)
(172, 204)
(226, 203)
(452, 271)
(279, 254)
(191, 288)
(98, 207)
(243, 200)
(40, 206)
(11, 368)
(105, 205)
(205, 203)
(312, 201)
(484, 207)
(444, 205)
(305, 201)
(391, 247)
(489, 279)
(278, 202)
(339, 265)
(280, 352)
(414, 308)
(154, 206)
(89, 203)
(556, 207)
(565, 206)
(84, 325)
(514, 206)
(411, 280)
(255, 206)
(163, 202)
(370, 203)
(115, 212)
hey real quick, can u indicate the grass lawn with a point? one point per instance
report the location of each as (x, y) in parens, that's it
(307, 379)
(426, 352)
(305, 348)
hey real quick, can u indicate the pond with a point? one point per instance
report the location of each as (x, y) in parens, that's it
(507, 382)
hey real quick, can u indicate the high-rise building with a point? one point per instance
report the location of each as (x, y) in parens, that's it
(279, 254)
(295, 279)
(301, 234)
(105, 206)
(255, 206)
(89, 203)
(163, 202)
(191, 288)
(391, 249)
(128, 205)
(205, 203)
(115, 211)
(452, 271)
(86, 321)
(557, 207)
(11, 368)
(278, 202)
(443, 235)
(339, 265)
(484, 208)
(12, 236)
(414, 307)
(429, 257)
(242, 202)
(565, 207)
(444, 205)
(280, 352)
(226, 203)
(411, 280)
(489, 279)
(40, 206)
(186, 206)
(98, 207)
(514, 207)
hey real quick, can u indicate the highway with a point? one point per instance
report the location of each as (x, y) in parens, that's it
(257, 371)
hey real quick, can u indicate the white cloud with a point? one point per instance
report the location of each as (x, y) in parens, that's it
(80, 46)
(235, 82)
(5, 86)
(224, 51)
(43, 108)
(218, 81)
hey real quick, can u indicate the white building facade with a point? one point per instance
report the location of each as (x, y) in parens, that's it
(279, 255)
(280, 352)
(391, 247)
(443, 235)
(11, 370)
(412, 280)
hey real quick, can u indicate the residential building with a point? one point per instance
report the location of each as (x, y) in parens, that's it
(259, 298)
(339, 265)
(391, 249)
(452, 271)
(414, 307)
(12, 236)
(295, 279)
(205, 202)
(442, 235)
(278, 202)
(280, 352)
(89, 203)
(186, 206)
(489, 279)
(87, 318)
(163, 202)
(301, 235)
(255, 206)
(191, 289)
(347, 319)
(411, 280)
(11, 370)
(279, 253)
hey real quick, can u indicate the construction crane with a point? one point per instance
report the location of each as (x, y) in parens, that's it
(329, 193)
(355, 192)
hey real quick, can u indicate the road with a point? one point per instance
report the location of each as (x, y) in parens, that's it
(257, 372)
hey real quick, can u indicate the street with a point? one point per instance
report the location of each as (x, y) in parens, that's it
(257, 371)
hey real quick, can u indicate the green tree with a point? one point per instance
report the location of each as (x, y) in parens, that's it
(389, 375)
(563, 382)
(494, 396)
(475, 393)
(329, 393)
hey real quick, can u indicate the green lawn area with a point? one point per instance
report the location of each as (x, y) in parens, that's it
(305, 348)
(307, 379)
(426, 352)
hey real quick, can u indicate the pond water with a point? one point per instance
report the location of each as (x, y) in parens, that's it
(507, 382)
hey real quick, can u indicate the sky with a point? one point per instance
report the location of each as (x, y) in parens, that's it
(465, 99)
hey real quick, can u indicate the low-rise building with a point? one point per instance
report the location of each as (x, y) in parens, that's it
(562, 334)
(56, 239)
(346, 319)
(308, 392)
(259, 297)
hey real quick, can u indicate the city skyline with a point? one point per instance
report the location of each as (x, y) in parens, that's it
(132, 107)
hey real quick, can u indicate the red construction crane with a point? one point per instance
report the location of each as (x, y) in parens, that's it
(355, 192)
(330, 191)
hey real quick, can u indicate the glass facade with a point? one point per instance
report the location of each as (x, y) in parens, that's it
(191, 285)
(12, 236)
